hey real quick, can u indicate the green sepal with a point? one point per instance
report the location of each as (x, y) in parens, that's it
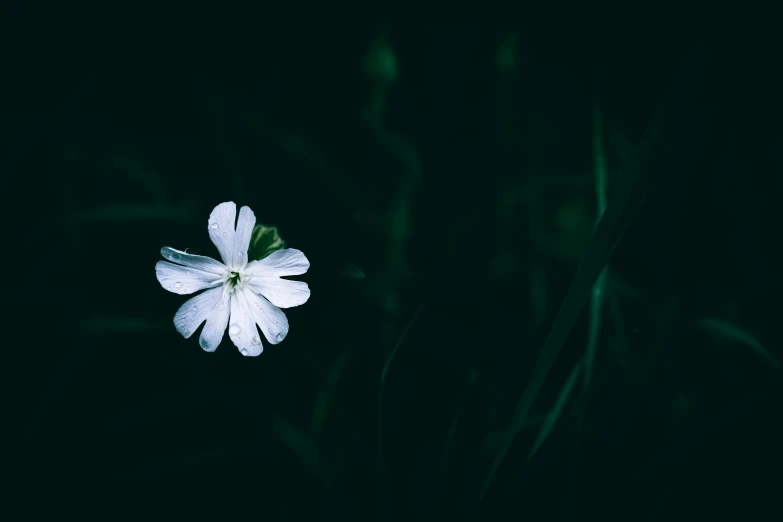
(263, 241)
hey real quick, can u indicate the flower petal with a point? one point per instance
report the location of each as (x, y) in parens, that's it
(245, 224)
(256, 309)
(213, 331)
(242, 327)
(183, 280)
(281, 292)
(268, 317)
(203, 263)
(211, 306)
(284, 262)
(221, 230)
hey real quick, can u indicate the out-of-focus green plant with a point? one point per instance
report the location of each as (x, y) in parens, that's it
(728, 331)
(676, 117)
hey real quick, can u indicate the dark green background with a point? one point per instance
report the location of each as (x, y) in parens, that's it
(461, 179)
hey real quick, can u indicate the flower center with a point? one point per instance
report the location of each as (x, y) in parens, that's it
(234, 278)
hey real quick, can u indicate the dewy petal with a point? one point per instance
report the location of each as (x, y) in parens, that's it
(203, 263)
(281, 292)
(211, 306)
(242, 327)
(183, 280)
(197, 310)
(221, 230)
(269, 318)
(213, 331)
(284, 262)
(245, 224)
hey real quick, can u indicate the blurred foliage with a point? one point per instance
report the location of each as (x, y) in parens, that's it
(458, 170)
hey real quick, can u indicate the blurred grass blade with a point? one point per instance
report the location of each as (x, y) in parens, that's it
(729, 331)
(382, 501)
(554, 414)
(303, 446)
(327, 392)
(597, 296)
(673, 120)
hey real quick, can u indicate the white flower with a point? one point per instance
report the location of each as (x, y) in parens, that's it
(238, 293)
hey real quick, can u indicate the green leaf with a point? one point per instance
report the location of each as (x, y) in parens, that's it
(263, 241)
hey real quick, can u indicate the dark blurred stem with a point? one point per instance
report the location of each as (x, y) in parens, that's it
(597, 297)
(596, 305)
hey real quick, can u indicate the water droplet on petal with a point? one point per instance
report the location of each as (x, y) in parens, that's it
(235, 329)
(279, 337)
(178, 284)
(243, 351)
(214, 227)
(256, 340)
